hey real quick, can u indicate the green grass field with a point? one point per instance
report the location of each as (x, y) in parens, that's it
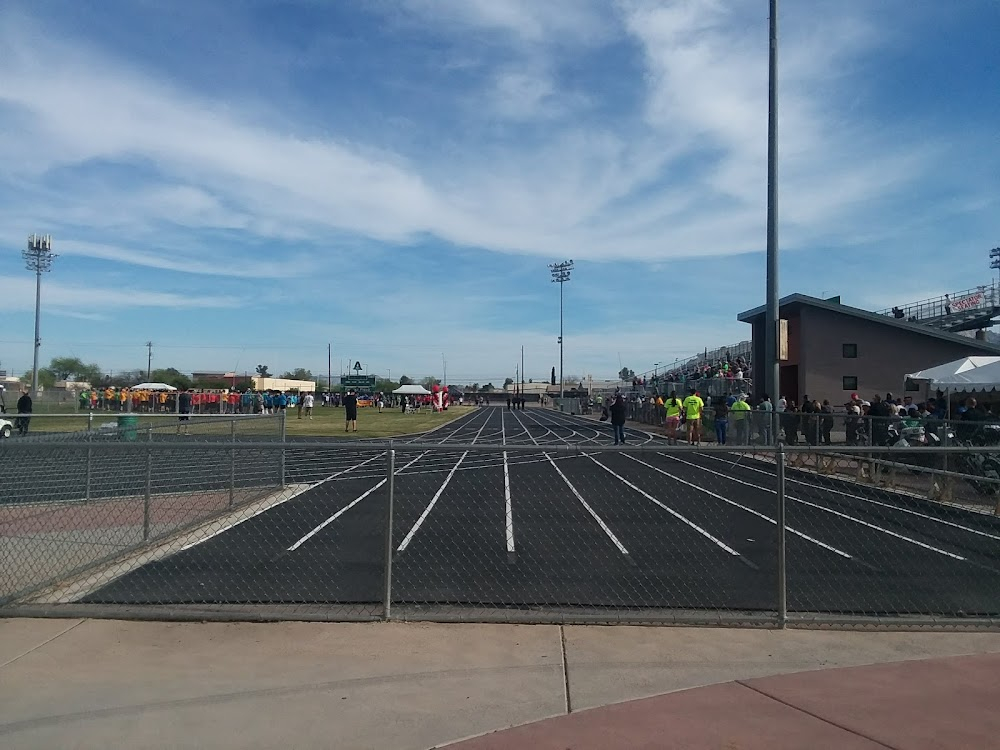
(326, 422)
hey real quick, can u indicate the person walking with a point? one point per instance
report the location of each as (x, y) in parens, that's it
(24, 407)
(741, 418)
(508, 404)
(618, 419)
(827, 421)
(694, 408)
(351, 411)
(721, 421)
(673, 407)
(301, 403)
(309, 401)
(184, 408)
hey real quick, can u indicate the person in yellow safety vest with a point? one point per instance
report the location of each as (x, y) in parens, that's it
(740, 413)
(693, 408)
(673, 406)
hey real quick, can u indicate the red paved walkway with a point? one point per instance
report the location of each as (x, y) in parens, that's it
(916, 705)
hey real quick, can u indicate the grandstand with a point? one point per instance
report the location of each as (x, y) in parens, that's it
(966, 310)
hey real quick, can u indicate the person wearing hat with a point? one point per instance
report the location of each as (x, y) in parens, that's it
(741, 418)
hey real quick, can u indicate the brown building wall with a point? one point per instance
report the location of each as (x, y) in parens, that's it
(885, 355)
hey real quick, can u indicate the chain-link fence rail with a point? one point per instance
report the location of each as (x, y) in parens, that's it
(132, 426)
(518, 530)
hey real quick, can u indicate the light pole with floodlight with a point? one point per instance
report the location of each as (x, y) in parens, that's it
(560, 275)
(38, 257)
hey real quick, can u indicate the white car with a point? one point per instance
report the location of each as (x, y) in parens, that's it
(6, 427)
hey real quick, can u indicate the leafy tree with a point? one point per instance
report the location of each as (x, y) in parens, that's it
(46, 378)
(262, 371)
(474, 387)
(403, 380)
(299, 373)
(626, 374)
(508, 381)
(73, 368)
(488, 388)
(384, 385)
(530, 380)
(429, 382)
(553, 381)
(171, 376)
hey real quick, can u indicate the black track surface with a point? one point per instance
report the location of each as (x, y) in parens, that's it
(598, 529)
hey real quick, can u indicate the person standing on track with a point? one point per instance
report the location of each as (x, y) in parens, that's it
(184, 408)
(673, 407)
(618, 419)
(721, 421)
(24, 409)
(351, 411)
(693, 410)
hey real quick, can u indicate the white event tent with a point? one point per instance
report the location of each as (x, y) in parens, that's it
(412, 390)
(966, 374)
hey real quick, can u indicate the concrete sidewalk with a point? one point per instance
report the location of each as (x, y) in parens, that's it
(99, 684)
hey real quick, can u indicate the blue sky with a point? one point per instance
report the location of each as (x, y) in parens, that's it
(243, 181)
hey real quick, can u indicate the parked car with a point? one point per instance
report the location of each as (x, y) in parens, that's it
(6, 427)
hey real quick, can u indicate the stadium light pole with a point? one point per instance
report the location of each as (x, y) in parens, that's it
(772, 334)
(38, 257)
(995, 264)
(560, 275)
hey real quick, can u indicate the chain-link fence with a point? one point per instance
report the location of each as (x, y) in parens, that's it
(518, 530)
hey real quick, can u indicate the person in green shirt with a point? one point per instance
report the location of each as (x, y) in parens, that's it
(740, 411)
(674, 407)
(693, 408)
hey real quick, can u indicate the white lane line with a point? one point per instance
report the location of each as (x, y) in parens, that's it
(591, 511)
(352, 468)
(825, 510)
(508, 510)
(865, 499)
(236, 523)
(667, 508)
(346, 508)
(586, 505)
(430, 506)
(334, 517)
(735, 504)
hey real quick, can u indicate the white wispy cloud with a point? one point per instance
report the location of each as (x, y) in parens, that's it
(18, 293)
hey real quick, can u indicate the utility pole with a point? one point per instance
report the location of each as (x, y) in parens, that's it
(772, 332)
(522, 370)
(444, 364)
(149, 360)
(38, 258)
(560, 275)
(329, 367)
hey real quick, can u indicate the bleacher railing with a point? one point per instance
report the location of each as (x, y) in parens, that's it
(981, 297)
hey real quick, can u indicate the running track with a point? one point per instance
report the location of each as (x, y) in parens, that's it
(593, 530)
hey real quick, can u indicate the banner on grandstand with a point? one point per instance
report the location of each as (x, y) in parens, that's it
(967, 303)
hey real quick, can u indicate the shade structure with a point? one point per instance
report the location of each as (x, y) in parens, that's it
(967, 373)
(412, 390)
(153, 387)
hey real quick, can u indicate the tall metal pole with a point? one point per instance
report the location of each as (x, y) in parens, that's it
(772, 324)
(329, 367)
(38, 258)
(522, 371)
(562, 388)
(560, 275)
(149, 362)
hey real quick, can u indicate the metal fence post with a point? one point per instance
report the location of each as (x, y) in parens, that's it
(232, 463)
(782, 585)
(149, 492)
(281, 419)
(387, 596)
(90, 456)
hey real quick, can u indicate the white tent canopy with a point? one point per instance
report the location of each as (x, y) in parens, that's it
(153, 387)
(966, 374)
(412, 390)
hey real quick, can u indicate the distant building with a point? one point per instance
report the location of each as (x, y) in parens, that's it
(282, 384)
(830, 350)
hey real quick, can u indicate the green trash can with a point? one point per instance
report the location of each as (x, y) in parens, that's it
(128, 427)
